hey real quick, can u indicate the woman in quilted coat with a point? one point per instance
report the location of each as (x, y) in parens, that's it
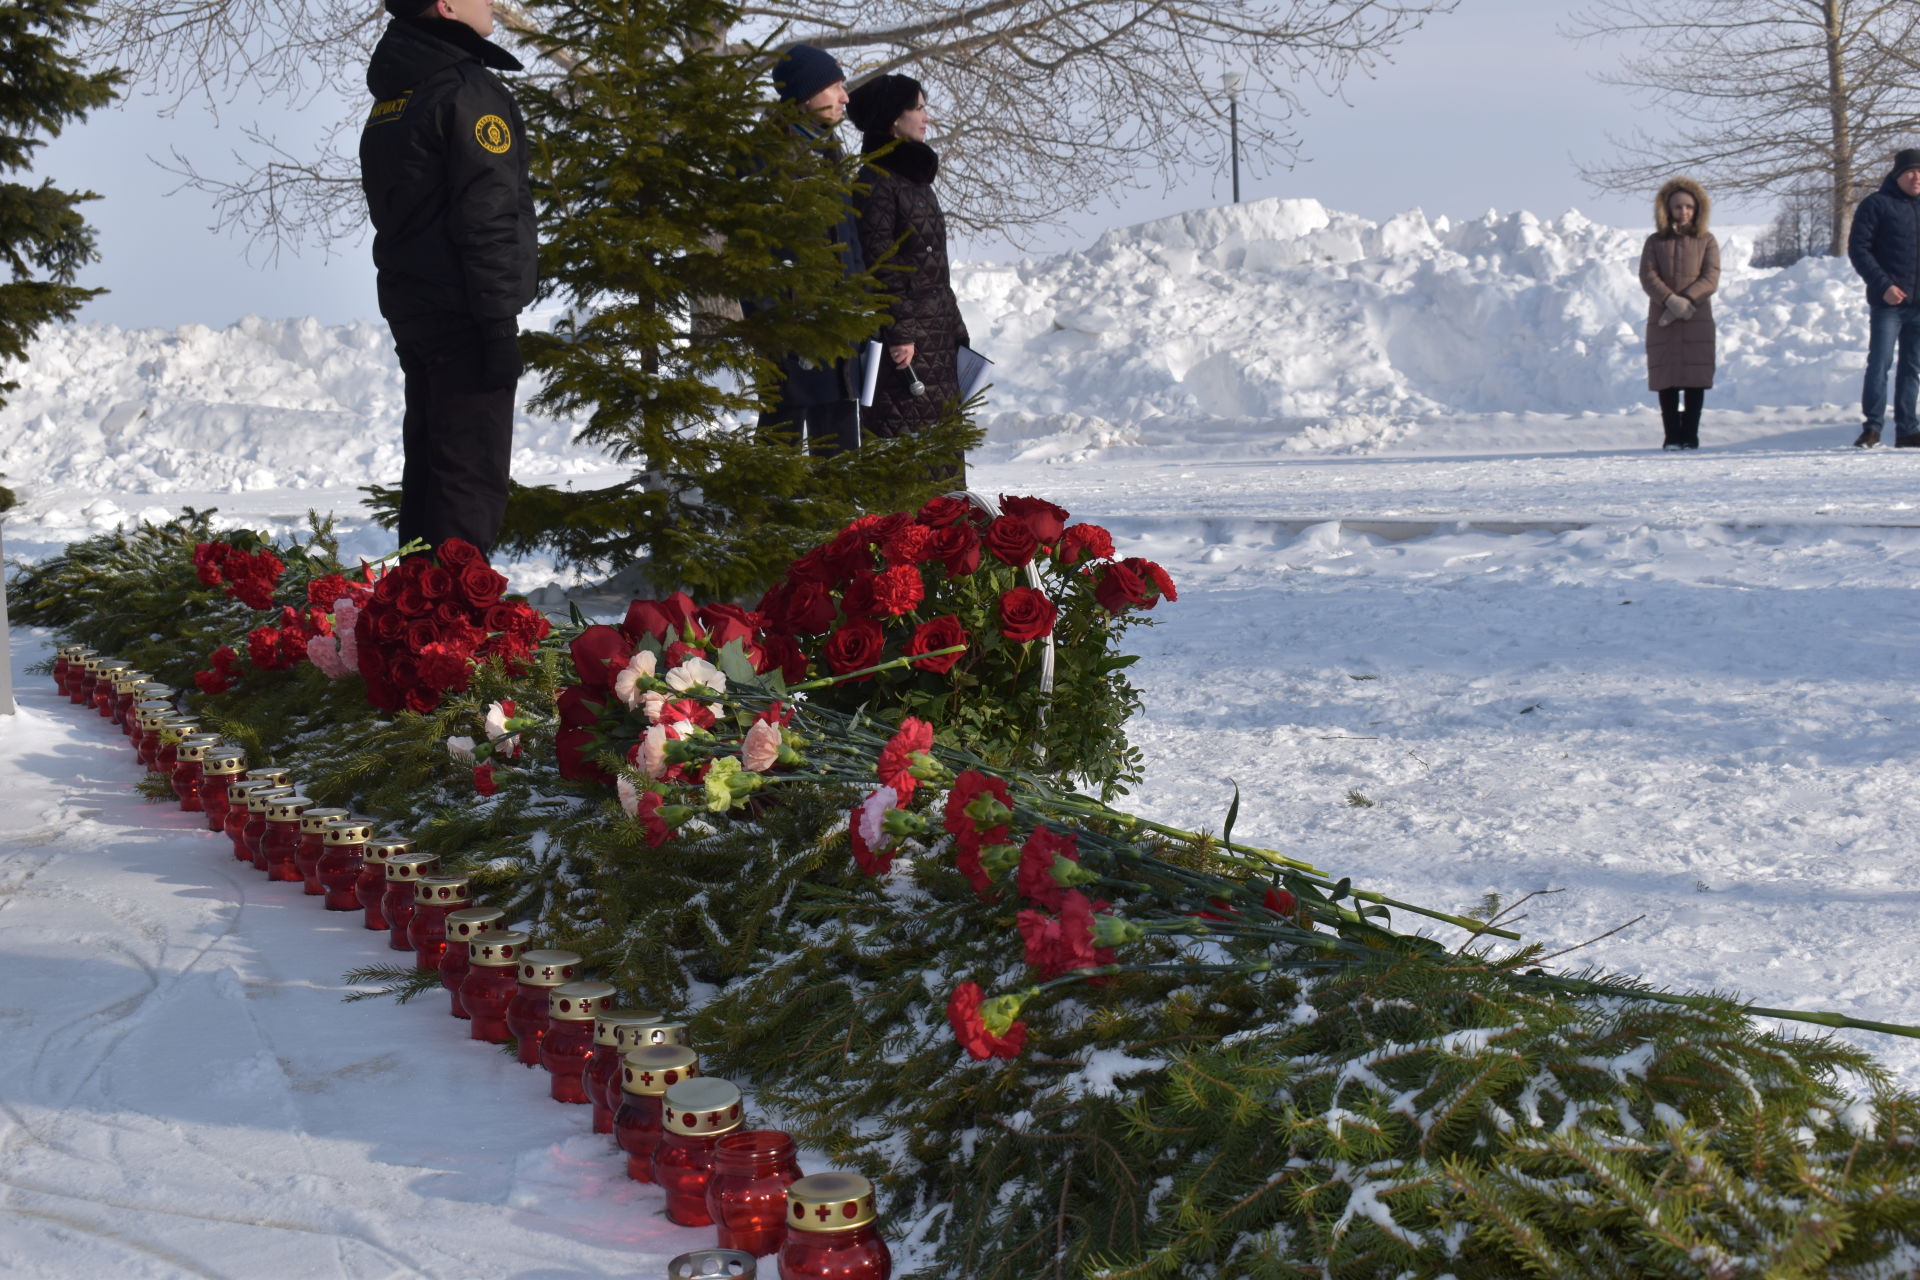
(903, 231)
(1680, 269)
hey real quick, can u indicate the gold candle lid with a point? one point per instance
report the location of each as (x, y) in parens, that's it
(114, 672)
(390, 847)
(549, 968)
(93, 662)
(830, 1202)
(702, 1107)
(148, 715)
(346, 831)
(270, 773)
(258, 797)
(469, 923)
(194, 747)
(69, 651)
(650, 1072)
(314, 821)
(147, 687)
(498, 950)
(662, 1032)
(128, 681)
(440, 890)
(238, 792)
(288, 808)
(410, 866)
(225, 761)
(607, 1026)
(579, 1001)
(179, 728)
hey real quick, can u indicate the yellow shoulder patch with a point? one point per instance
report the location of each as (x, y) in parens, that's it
(492, 134)
(391, 109)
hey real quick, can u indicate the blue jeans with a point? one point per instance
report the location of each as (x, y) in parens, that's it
(1893, 326)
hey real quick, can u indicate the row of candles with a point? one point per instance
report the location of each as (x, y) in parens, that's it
(679, 1129)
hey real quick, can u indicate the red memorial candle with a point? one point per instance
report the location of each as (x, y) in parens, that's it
(567, 1047)
(463, 926)
(254, 834)
(396, 901)
(832, 1232)
(603, 1072)
(126, 692)
(540, 973)
(694, 1115)
(747, 1194)
(373, 877)
(220, 769)
(106, 678)
(65, 658)
(189, 769)
(434, 898)
(282, 837)
(80, 682)
(493, 978)
(148, 715)
(342, 841)
(311, 844)
(235, 823)
(174, 730)
(645, 1077)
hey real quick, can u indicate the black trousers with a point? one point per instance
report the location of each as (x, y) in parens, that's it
(825, 429)
(459, 447)
(1682, 423)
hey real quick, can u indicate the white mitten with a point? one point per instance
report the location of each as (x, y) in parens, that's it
(1679, 307)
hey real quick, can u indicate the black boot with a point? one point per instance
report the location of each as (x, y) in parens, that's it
(1670, 420)
(1690, 419)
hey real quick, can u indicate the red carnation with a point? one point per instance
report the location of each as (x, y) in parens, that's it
(446, 666)
(687, 711)
(909, 544)
(208, 558)
(1035, 876)
(1279, 902)
(1084, 542)
(1162, 582)
(873, 863)
(1026, 614)
(968, 787)
(939, 633)
(1011, 540)
(225, 660)
(896, 758)
(212, 682)
(898, 590)
(648, 815)
(969, 1028)
(263, 648)
(322, 592)
(1059, 944)
(483, 780)
(854, 647)
(1045, 519)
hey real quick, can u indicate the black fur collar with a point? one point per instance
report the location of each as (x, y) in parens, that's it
(914, 161)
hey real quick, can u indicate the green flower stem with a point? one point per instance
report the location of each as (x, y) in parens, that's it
(1823, 1018)
(904, 660)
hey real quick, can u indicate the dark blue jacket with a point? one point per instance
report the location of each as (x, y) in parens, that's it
(1884, 245)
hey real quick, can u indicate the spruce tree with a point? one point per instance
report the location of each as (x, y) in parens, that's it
(42, 235)
(667, 181)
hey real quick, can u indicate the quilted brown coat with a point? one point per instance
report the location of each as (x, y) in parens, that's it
(904, 232)
(1681, 353)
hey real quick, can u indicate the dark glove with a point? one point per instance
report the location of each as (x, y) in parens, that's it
(500, 362)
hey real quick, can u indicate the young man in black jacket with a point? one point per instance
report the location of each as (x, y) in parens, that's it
(1884, 246)
(443, 162)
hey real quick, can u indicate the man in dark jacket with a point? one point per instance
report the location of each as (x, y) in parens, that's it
(1884, 247)
(443, 162)
(819, 403)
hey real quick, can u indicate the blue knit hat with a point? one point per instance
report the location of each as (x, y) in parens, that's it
(804, 72)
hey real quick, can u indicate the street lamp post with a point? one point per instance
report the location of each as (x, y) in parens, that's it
(1233, 82)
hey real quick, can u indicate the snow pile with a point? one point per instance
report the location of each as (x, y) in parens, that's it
(1278, 324)
(264, 404)
(1283, 313)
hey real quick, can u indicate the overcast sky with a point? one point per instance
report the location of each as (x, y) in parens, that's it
(1488, 108)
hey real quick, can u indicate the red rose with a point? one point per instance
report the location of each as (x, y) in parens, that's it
(683, 614)
(896, 758)
(387, 626)
(480, 585)
(897, 590)
(420, 633)
(1011, 540)
(943, 512)
(435, 583)
(1035, 879)
(450, 613)
(856, 597)
(457, 554)
(854, 647)
(784, 653)
(212, 682)
(599, 654)
(940, 633)
(500, 617)
(811, 567)
(1026, 614)
(958, 548)
(1045, 519)
(1119, 588)
(1084, 542)
(645, 618)
(483, 780)
(387, 589)
(810, 609)
(421, 700)
(579, 708)
(411, 601)
(963, 1015)
(678, 652)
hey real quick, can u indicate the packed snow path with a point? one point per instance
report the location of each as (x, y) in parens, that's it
(186, 1096)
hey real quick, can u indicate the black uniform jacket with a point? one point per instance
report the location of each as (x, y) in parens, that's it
(443, 161)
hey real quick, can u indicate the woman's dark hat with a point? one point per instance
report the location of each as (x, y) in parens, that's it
(875, 105)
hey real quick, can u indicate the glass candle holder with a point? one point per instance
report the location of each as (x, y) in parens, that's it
(235, 823)
(311, 844)
(747, 1194)
(373, 878)
(166, 751)
(101, 696)
(694, 1115)
(396, 901)
(567, 1047)
(342, 841)
(63, 661)
(833, 1231)
(282, 837)
(540, 973)
(603, 1071)
(189, 769)
(645, 1076)
(462, 927)
(493, 978)
(254, 834)
(80, 684)
(126, 693)
(434, 898)
(219, 770)
(148, 715)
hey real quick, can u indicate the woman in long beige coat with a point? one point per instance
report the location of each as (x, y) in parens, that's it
(1680, 269)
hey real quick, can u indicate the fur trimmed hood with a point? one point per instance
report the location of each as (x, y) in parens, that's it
(1703, 207)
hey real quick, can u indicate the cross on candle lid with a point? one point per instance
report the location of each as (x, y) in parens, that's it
(653, 1070)
(705, 1106)
(830, 1202)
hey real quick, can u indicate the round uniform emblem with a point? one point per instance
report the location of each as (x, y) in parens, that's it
(491, 133)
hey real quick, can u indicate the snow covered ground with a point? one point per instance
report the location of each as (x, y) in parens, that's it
(1450, 635)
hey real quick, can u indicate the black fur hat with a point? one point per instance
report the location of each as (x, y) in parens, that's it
(875, 105)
